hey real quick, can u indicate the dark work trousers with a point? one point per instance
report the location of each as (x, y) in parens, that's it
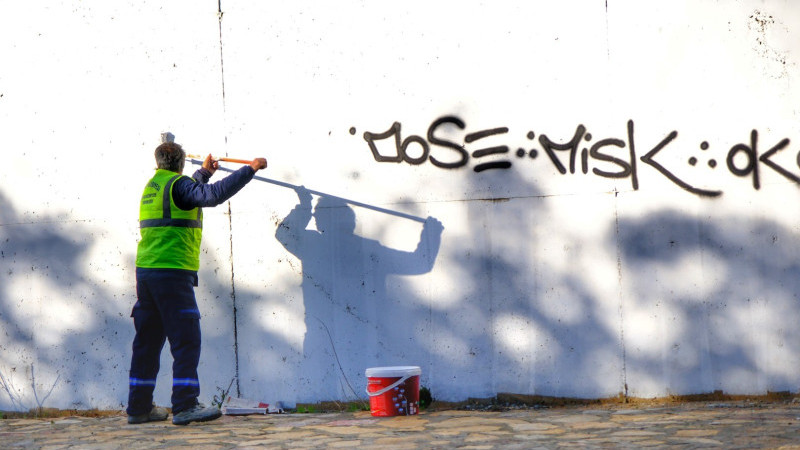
(166, 309)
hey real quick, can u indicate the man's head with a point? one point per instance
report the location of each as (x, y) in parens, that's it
(170, 156)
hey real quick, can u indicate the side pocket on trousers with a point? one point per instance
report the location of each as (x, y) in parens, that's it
(135, 309)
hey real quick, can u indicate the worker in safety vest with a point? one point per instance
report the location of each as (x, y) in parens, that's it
(167, 260)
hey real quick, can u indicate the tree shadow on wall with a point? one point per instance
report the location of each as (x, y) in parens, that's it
(524, 304)
(512, 323)
(526, 319)
(703, 305)
(707, 304)
(723, 295)
(60, 328)
(344, 284)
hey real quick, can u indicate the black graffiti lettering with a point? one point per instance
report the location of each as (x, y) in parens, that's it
(472, 137)
(496, 150)
(596, 154)
(425, 150)
(648, 159)
(447, 144)
(490, 151)
(771, 164)
(632, 149)
(742, 159)
(751, 153)
(585, 161)
(394, 130)
(629, 168)
(492, 165)
(400, 147)
(571, 146)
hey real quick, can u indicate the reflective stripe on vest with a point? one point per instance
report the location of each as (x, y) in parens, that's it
(166, 219)
(170, 236)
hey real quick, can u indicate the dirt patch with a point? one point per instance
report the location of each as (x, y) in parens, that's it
(51, 413)
(501, 402)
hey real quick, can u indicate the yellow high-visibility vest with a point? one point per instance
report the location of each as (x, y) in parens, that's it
(170, 235)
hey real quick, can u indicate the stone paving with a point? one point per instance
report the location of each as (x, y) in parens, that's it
(688, 425)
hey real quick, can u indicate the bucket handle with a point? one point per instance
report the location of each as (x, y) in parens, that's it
(388, 388)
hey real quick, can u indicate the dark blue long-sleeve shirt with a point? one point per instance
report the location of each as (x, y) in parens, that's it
(189, 194)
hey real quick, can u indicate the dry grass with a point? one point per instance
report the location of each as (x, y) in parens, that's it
(51, 413)
(519, 400)
(501, 401)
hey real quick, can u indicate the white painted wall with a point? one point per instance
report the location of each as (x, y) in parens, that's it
(676, 278)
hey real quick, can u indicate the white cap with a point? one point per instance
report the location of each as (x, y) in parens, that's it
(167, 137)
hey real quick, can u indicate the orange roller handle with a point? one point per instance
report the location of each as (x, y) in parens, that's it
(233, 160)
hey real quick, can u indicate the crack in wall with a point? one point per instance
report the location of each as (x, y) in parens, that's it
(230, 213)
(221, 59)
(608, 45)
(235, 309)
(621, 308)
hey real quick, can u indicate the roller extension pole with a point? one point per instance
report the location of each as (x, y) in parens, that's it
(199, 162)
(232, 160)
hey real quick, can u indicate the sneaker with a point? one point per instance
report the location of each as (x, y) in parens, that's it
(197, 413)
(155, 414)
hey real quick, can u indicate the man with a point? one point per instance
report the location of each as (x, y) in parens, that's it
(167, 260)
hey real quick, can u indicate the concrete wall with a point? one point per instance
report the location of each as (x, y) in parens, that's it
(557, 198)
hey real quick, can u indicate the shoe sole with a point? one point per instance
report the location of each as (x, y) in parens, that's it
(145, 420)
(200, 419)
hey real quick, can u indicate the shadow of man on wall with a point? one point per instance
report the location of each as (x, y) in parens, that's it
(348, 316)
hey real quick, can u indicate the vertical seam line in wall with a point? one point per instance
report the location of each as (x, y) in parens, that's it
(490, 296)
(230, 212)
(221, 59)
(620, 287)
(621, 308)
(608, 44)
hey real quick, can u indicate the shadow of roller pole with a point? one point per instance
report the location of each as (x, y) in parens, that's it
(322, 194)
(194, 159)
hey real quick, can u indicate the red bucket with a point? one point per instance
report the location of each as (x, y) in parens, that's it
(393, 391)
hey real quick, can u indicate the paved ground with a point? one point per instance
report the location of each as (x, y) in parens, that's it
(689, 425)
